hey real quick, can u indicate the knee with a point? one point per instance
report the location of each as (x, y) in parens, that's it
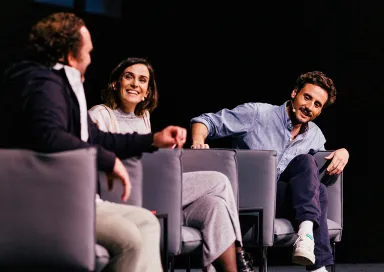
(219, 179)
(306, 158)
(150, 221)
(307, 161)
(126, 237)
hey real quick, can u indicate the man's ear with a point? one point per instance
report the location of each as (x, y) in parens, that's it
(71, 59)
(293, 93)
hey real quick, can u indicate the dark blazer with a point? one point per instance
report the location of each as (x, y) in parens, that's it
(39, 111)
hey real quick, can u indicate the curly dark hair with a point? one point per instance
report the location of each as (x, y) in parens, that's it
(320, 79)
(54, 36)
(111, 94)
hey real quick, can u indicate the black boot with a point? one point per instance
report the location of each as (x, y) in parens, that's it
(244, 262)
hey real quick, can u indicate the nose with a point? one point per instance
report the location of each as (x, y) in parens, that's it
(310, 105)
(134, 82)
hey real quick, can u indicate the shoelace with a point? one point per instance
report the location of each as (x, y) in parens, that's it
(299, 239)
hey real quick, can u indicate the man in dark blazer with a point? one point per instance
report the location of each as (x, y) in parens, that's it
(43, 108)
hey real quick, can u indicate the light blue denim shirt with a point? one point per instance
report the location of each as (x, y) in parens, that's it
(264, 127)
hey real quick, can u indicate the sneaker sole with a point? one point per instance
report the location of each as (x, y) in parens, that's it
(303, 260)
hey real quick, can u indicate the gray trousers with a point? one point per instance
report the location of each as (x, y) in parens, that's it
(131, 235)
(209, 205)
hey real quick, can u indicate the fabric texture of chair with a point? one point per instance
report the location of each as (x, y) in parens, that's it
(47, 203)
(135, 172)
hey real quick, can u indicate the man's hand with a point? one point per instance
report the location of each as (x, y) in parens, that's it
(199, 134)
(170, 136)
(340, 159)
(199, 146)
(120, 172)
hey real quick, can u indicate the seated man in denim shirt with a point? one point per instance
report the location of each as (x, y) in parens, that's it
(289, 130)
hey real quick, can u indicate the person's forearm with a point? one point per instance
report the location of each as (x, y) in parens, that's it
(199, 133)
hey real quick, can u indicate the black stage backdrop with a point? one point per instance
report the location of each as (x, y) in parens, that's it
(212, 56)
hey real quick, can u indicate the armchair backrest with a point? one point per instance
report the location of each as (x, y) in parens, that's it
(135, 172)
(47, 206)
(214, 159)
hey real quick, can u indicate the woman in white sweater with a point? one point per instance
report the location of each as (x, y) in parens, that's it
(130, 97)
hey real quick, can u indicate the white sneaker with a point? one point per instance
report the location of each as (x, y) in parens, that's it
(303, 250)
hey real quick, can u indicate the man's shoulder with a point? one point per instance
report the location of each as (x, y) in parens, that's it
(262, 106)
(313, 126)
(315, 130)
(31, 70)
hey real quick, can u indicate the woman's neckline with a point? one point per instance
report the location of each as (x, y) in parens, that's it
(126, 114)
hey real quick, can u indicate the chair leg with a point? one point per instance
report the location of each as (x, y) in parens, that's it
(263, 265)
(188, 264)
(333, 268)
(172, 263)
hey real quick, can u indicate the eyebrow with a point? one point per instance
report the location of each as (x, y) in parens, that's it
(132, 73)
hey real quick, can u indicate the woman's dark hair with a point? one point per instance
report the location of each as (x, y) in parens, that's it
(111, 94)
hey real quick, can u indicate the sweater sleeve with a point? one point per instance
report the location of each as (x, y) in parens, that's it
(100, 117)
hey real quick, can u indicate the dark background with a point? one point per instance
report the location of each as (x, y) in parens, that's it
(209, 56)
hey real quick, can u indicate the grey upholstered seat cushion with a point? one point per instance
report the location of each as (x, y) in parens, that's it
(47, 205)
(191, 239)
(285, 235)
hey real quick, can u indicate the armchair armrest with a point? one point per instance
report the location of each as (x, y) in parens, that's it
(335, 191)
(162, 190)
(214, 159)
(47, 203)
(257, 186)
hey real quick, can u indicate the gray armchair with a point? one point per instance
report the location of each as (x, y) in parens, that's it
(156, 185)
(162, 172)
(257, 189)
(47, 204)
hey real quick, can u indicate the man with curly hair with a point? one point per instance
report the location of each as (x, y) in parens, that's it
(43, 108)
(289, 130)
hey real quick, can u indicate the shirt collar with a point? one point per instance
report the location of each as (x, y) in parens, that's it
(71, 72)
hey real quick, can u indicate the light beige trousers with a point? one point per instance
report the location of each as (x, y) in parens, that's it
(131, 235)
